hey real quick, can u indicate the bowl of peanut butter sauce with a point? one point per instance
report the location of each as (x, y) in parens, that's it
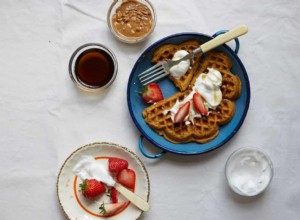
(131, 21)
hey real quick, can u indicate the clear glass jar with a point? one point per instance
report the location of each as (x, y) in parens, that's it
(248, 171)
(91, 53)
(131, 40)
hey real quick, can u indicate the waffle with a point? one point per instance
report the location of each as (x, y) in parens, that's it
(167, 51)
(205, 128)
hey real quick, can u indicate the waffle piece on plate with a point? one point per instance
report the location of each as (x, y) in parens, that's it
(167, 51)
(202, 129)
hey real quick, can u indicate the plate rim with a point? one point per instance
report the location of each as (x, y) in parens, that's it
(94, 144)
(150, 139)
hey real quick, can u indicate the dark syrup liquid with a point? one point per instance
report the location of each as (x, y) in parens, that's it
(94, 67)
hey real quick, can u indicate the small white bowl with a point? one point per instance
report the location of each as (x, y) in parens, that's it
(248, 171)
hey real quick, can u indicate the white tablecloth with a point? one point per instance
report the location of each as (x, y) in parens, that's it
(44, 117)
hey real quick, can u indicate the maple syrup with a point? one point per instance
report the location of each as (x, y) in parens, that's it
(94, 67)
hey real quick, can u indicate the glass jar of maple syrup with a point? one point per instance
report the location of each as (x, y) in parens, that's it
(93, 67)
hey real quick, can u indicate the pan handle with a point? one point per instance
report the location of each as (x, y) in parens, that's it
(237, 42)
(145, 153)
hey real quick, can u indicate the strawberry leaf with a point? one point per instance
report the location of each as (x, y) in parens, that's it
(108, 193)
(83, 186)
(102, 209)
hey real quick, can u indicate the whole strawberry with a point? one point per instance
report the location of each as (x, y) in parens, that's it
(92, 188)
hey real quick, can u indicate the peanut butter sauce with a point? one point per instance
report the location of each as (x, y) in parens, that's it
(132, 19)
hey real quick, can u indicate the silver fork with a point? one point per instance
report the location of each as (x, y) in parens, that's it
(162, 68)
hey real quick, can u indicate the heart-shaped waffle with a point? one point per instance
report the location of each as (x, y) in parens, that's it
(205, 128)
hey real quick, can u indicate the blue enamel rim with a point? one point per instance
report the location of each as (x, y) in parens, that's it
(152, 140)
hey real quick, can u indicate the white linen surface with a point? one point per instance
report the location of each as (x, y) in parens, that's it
(44, 117)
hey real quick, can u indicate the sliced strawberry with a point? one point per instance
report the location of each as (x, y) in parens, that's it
(127, 178)
(114, 195)
(199, 105)
(92, 188)
(109, 209)
(182, 112)
(152, 93)
(115, 165)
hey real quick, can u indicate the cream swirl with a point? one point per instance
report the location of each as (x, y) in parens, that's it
(181, 68)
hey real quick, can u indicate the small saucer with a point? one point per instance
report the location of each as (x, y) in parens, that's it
(76, 207)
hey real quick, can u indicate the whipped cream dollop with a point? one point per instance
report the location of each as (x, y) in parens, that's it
(89, 168)
(181, 68)
(208, 86)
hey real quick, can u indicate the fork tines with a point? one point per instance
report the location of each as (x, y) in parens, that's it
(154, 73)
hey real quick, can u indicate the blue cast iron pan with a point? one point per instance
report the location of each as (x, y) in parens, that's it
(136, 104)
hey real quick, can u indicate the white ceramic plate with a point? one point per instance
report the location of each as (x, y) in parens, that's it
(77, 207)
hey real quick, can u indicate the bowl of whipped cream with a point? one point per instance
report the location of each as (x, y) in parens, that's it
(249, 171)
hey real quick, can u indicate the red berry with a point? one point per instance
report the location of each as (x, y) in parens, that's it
(110, 209)
(127, 178)
(199, 105)
(117, 164)
(152, 93)
(182, 112)
(92, 188)
(114, 195)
